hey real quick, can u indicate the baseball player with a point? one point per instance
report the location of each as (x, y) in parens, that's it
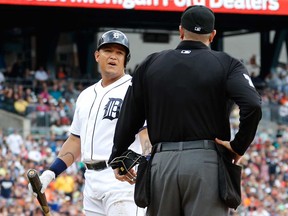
(92, 132)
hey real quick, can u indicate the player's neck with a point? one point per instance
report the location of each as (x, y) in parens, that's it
(108, 80)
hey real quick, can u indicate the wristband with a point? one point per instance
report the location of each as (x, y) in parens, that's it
(58, 166)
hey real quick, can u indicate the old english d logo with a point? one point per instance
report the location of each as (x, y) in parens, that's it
(116, 35)
(112, 108)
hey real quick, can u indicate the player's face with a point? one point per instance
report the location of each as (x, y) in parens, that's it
(111, 58)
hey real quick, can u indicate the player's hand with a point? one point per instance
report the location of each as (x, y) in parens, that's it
(45, 179)
(31, 190)
(227, 145)
(130, 176)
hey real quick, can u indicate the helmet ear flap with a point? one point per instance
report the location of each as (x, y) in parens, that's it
(127, 58)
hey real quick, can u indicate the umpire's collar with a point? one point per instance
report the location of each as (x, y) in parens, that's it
(188, 44)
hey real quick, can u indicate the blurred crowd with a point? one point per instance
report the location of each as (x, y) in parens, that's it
(265, 169)
(18, 155)
(49, 103)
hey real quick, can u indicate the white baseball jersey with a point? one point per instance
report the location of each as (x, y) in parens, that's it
(97, 111)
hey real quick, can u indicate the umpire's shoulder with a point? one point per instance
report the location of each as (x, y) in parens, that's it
(224, 57)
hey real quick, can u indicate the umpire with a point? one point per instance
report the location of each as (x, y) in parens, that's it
(186, 94)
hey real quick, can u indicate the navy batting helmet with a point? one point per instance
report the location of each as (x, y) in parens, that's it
(115, 37)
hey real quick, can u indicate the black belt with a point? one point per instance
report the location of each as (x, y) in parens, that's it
(179, 146)
(101, 165)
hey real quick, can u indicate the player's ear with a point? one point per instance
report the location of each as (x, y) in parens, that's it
(96, 55)
(181, 32)
(212, 35)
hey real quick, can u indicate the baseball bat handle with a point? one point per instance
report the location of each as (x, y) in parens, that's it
(36, 185)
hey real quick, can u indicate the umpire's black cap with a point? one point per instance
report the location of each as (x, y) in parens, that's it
(198, 19)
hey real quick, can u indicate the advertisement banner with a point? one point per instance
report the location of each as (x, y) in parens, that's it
(260, 7)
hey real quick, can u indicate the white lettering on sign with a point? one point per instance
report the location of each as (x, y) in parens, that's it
(242, 5)
(186, 3)
(130, 4)
(272, 5)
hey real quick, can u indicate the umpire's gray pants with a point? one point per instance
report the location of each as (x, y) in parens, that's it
(185, 183)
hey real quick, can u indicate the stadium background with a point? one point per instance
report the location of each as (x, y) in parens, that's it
(56, 32)
(39, 33)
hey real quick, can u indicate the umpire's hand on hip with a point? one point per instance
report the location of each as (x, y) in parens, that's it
(227, 145)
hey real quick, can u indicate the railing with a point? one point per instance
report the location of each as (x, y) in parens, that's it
(275, 113)
(30, 82)
(41, 121)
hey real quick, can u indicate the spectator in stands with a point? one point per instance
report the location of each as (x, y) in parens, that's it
(65, 183)
(3, 209)
(62, 85)
(1, 137)
(18, 69)
(253, 65)
(8, 99)
(52, 143)
(19, 89)
(28, 78)
(43, 141)
(3, 164)
(42, 106)
(40, 77)
(80, 87)
(54, 113)
(63, 109)
(41, 74)
(30, 96)
(30, 142)
(37, 212)
(2, 77)
(71, 93)
(6, 187)
(20, 104)
(41, 115)
(2, 61)
(55, 92)
(49, 155)
(61, 73)
(69, 110)
(35, 155)
(44, 93)
(58, 130)
(14, 141)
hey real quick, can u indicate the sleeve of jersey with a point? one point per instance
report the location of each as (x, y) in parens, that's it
(242, 91)
(76, 124)
(131, 118)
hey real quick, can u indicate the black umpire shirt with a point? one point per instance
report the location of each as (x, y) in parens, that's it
(187, 94)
